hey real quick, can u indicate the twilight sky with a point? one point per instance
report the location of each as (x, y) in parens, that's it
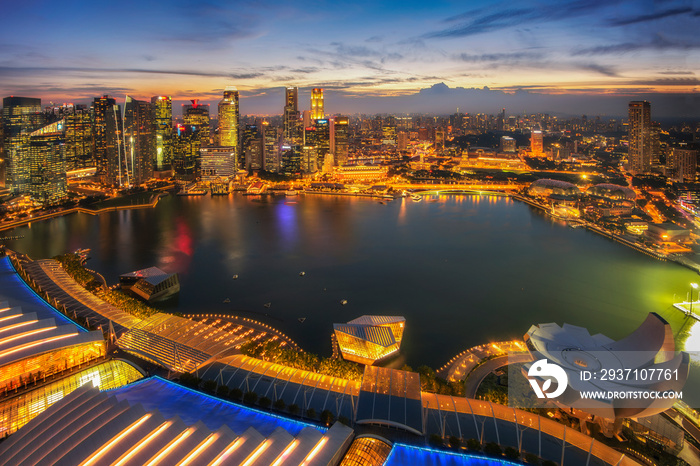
(567, 57)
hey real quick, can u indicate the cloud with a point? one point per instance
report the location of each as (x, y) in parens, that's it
(18, 70)
(374, 39)
(677, 72)
(601, 69)
(650, 17)
(658, 42)
(481, 21)
(497, 57)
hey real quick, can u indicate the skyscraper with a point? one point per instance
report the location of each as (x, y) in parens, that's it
(536, 143)
(342, 137)
(323, 140)
(47, 160)
(186, 147)
(138, 140)
(20, 117)
(78, 129)
(290, 123)
(639, 134)
(271, 147)
(228, 118)
(317, 104)
(252, 148)
(107, 141)
(162, 154)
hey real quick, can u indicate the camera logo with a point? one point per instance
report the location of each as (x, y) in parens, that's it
(544, 370)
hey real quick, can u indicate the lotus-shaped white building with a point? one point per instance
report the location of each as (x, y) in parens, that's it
(632, 377)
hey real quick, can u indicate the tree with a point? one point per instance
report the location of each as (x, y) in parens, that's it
(235, 394)
(532, 458)
(279, 404)
(327, 417)
(455, 442)
(473, 444)
(493, 449)
(265, 402)
(344, 420)
(293, 409)
(222, 391)
(436, 440)
(209, 386)
(250, 398)
(311, 413)
(512, 453)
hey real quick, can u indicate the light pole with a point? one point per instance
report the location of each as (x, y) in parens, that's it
(693, 286)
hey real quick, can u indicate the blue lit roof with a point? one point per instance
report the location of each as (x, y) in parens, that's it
(405, 454)
(191, 406)
(18, 294)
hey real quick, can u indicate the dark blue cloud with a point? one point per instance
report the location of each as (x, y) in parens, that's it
(650, 17)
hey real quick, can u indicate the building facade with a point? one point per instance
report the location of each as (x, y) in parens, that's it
(20, 117)
(229, 117)
(162, 151)
(138, 140)
(639, 133)
(317, 106)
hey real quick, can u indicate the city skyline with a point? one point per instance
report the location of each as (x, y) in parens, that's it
(566, 58)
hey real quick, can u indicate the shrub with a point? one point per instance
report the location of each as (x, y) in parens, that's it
(209, 386)
(436, 440)
(293, 409)
(222, 391)
(344, 420)
(512, 453)
(235, 394)
(311, 413)
(327, 417)
(279, 404)
(473, 444)
(532, 458)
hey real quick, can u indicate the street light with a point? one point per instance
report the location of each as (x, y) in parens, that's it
(693, 286)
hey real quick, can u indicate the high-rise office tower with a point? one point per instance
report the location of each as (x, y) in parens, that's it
(196, 118)
(323, 140)
(108, 145)
(317, 104)
(161, 148)
(138, 140)
(290, 124)
(228, 118)
(78, 129)
(252, 148)
(186, 152)
(639, 134)
(271, 140)
(341, 130)
(47, 160)
(682, 164)
(402, 140)
(218, 163)
(290, 159)
(536, 143)
(20, 117)
(507, 144)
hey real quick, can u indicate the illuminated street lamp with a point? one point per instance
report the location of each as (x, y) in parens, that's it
(693, 286)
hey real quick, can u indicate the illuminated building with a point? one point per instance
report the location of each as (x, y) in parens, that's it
(360, 173)
(79, 139)
(20, 117)
(536, 143)
(186, 149)
(317, 104)
(253, 148)
(639, 134)
(367, 451)
(322, 140)
(138, 139)
(155, 421)
(309, 162)
(17, 411)
(290, 160)
(271, 139)
(47, 160)
(574, 350)
(107, 140)
(151, 284)
(341, 134)
(162, 155)
(402, 140)
(612, 192)
(389, 131)
(217, 163)
(228, 118)
(557, 189)
(290, 122)
(508, 144)
(369, 339)
(682, 164)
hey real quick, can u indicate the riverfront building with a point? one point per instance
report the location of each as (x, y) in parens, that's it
(369, 339)
(151, 284)
(20, 117)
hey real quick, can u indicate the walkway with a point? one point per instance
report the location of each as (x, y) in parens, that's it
(461, 365)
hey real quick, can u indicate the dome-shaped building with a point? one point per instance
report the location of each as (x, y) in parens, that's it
(612, 192)
(554, 189)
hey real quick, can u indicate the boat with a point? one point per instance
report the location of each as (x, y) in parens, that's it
(290, 192)
(416, 197)
(301, 274)
(343, 302)
(235, 277)
(267, 305)
(301, 319)
(226, 301)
